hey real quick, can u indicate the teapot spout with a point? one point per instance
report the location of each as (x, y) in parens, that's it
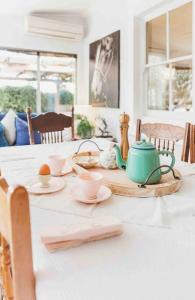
(119, 161)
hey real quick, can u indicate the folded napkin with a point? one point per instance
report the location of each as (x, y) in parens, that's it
(73, 235)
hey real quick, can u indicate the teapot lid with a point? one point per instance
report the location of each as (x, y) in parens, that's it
(143, 145)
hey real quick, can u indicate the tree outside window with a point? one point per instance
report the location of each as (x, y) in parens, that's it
(19, 86)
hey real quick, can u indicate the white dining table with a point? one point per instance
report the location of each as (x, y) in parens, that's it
(153, 259)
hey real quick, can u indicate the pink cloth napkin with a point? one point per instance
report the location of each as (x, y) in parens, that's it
(75, 234)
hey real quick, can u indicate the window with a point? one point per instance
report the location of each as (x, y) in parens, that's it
(168, 65)
(43, 81)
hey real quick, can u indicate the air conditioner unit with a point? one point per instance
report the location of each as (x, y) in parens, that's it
(53, 28)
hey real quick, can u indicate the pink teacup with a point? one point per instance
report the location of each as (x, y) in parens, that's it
(90, 183)
(56, 163)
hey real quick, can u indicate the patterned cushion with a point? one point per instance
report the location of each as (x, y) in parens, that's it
(9, 125)
(3, 141)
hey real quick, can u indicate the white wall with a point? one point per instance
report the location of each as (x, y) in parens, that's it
(106, 17)
(172, 117)
(12, 34)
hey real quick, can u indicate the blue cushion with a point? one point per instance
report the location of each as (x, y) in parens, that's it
(22, 134)
(21, 115)
(37, 137)
(2, 115)
(3, 141)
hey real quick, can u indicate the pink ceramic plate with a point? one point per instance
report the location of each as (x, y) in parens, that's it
(55, 185)
(67, 170)
(103, 194)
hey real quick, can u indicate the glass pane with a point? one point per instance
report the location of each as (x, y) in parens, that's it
(57, 82)
(181, 76)
(181, 31)
(156, 40)
(158, 87)
(18, 80)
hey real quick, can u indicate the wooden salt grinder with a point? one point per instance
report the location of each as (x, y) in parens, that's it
(124, 120)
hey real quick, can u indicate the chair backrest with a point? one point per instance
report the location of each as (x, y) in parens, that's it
(192, 143)
(50, 126)
(16, 264)
(164, 136)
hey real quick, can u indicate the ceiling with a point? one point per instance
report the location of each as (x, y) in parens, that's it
(24, 7)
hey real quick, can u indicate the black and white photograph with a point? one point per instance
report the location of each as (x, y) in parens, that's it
(104, 73)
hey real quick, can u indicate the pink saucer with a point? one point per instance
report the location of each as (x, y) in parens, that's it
(65, 171)
(103, 194)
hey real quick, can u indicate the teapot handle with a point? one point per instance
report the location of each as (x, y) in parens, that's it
(172, 160)
(150, 175)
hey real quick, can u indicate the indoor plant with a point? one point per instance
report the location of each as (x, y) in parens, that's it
(84, 128)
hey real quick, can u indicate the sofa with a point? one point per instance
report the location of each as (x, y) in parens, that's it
(14, 129)
(20, 115)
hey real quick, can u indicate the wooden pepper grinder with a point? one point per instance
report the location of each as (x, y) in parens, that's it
(124, 120)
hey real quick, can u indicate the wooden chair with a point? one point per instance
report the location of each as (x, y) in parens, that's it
(16, 265)
(50, 126)
(164, 136)
(192, 143)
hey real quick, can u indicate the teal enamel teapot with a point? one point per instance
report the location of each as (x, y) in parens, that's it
(143, 162)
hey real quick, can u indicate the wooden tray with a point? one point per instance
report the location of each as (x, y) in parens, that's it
(118, 182)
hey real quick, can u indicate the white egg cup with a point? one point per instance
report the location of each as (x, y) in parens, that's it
(44, 180)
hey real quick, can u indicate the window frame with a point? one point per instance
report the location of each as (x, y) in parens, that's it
(38, 54)
(157, 12)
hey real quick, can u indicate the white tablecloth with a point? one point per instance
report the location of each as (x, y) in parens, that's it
(153, 259)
